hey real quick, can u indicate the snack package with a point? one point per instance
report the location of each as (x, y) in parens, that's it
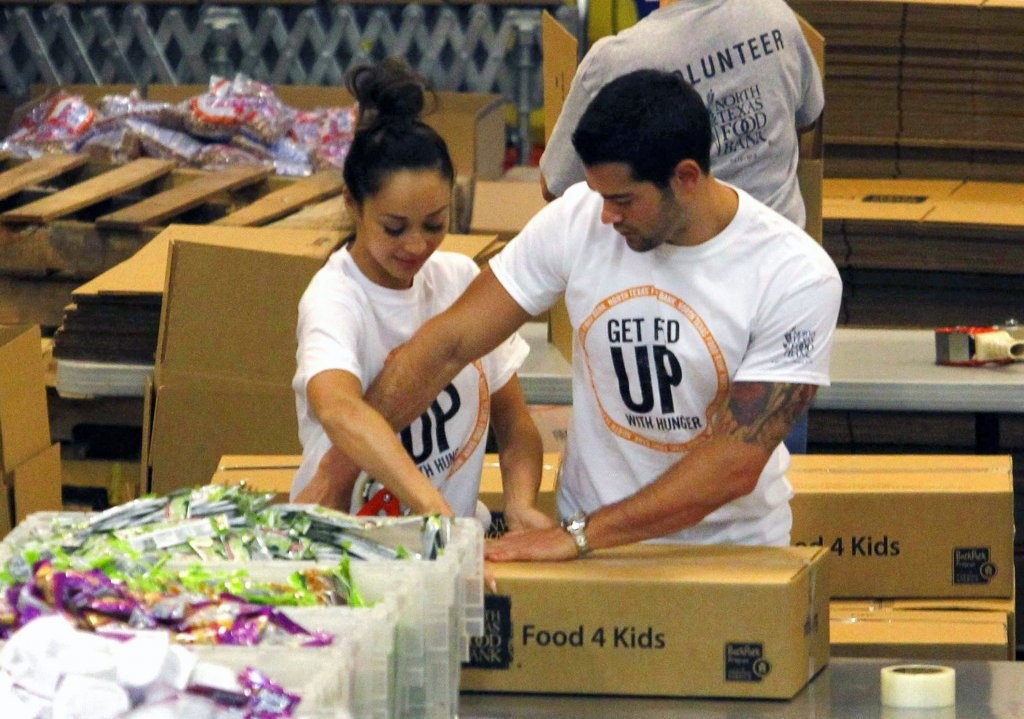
(328, 132)
(54, 125)
(237, 106)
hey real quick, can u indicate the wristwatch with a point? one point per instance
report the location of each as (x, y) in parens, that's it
(576, 526)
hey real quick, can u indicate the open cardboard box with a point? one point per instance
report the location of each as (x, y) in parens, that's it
(226, 349)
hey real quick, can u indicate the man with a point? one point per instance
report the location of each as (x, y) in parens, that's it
(750, 63)
(703, 324)
(759, 80)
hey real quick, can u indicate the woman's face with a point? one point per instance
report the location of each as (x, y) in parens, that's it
(399, 228)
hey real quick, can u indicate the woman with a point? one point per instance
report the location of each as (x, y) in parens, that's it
(370, 297)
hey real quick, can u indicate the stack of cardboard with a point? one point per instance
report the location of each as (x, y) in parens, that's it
(863, 44)
(922, 552)
(922, 88)
(111, 326)
(944, 252)
(29, 463)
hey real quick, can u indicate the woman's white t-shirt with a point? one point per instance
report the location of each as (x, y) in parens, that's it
(347, 322)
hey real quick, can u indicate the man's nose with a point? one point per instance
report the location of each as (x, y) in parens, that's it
(609, 214)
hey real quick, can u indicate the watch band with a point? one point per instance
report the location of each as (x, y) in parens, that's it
(576, 526)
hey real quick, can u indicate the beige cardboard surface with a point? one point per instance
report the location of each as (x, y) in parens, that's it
(656, 620)
(263, 473)
(231, 299)
(502, 208)
(198, 420)
(37, 483)
(560, 53)
(24, 418)
(855, 189)
(560, 59)
(909, 534)
(480, 247)
(492, 493)
(888, 463)
(811, 167)
(921, 635)
(141, 274)
(990, 214)
(1004, 605)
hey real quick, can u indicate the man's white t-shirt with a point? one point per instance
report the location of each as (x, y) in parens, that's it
(347, 322)
(660, 336)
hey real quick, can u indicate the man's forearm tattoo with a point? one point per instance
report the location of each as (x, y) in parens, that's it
(762, 412)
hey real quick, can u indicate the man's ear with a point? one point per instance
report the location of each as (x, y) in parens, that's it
(686, 175)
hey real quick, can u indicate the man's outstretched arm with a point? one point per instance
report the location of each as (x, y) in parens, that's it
(481, 319)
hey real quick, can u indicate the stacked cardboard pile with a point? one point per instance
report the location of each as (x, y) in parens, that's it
(29, 463)
(926, 253)
(922, 88)
(922, 552)
(106, 341)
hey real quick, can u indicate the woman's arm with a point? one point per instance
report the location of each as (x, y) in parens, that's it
(368, 441)
(520, 455)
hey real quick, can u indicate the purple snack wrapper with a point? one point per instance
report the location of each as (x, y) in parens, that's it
(267, 699)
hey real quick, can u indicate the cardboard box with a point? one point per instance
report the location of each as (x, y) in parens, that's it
(657, 620)
(810, 168)
(859, 629)
(33, 486)
(197, 420)
(898, 463)
(24, 418)
(926, 533)
(479, 247)
(472, 124)
(924, 629)
(492, 493)
(260, 472)
(231, 299)
(503, 207)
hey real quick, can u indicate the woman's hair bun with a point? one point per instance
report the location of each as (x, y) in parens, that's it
(389, 91)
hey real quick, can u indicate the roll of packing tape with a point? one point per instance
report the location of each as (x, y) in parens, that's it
(918, 686)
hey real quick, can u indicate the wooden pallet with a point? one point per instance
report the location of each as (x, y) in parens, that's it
(65, 219)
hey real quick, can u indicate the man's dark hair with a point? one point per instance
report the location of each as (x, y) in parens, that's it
(649, 120)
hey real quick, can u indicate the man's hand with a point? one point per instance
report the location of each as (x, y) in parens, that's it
(551, 544)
